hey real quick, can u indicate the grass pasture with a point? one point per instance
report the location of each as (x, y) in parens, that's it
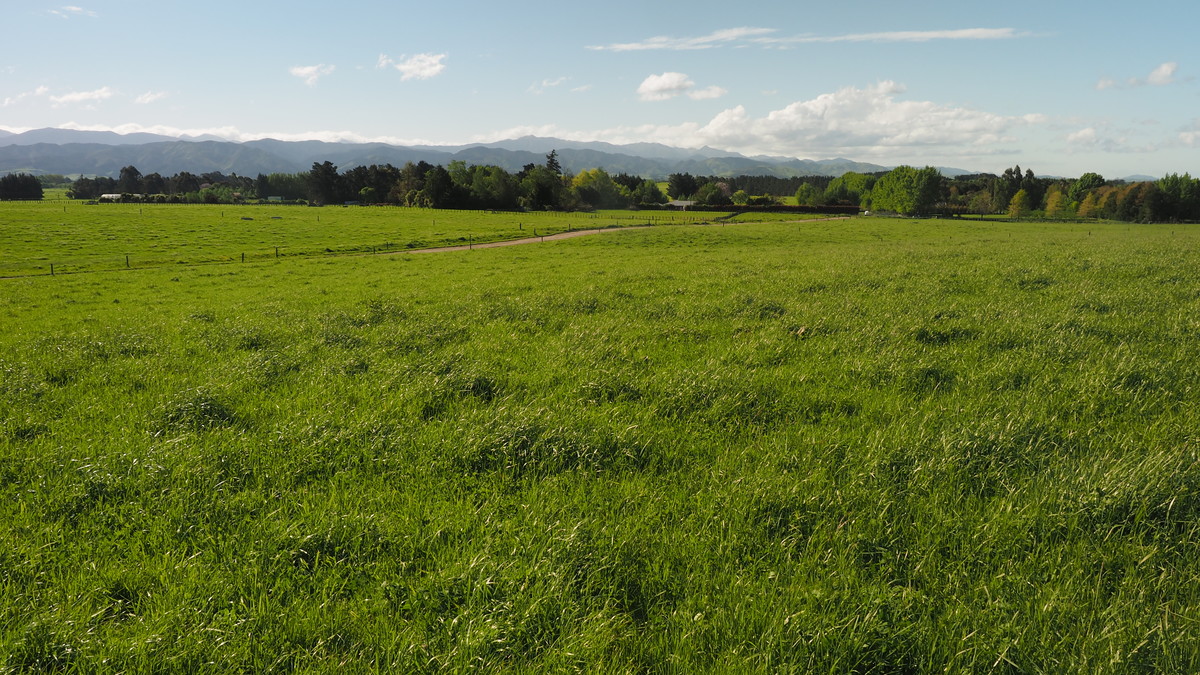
(863, 445)
(79, 237)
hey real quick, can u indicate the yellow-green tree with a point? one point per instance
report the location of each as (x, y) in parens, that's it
(1090, 206)
(1056, 205)
(1018, 206)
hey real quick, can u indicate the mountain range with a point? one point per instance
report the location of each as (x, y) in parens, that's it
(70, 151)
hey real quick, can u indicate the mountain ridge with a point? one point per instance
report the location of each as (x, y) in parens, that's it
(72, 151)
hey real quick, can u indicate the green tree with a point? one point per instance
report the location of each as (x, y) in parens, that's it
(1084, 184)
(1180, 196)
(493, 188)
(907, 190)
(808, 195)
(713, 194)
(849, 188)
(596, 188)
(540, 188)
(647, 192)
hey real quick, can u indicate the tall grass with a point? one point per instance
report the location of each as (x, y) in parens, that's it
(839, 446)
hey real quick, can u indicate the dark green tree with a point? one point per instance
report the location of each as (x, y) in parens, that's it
(324, 183)
(129, 181)
(682, 185)
(153, 184)
(20, 186)
(552, 163)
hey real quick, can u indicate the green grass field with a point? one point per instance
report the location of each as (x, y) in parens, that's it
(79, 237)
(869, 446)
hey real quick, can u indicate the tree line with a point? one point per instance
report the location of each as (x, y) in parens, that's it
(904, 190)
(910, 191)
(457, 185)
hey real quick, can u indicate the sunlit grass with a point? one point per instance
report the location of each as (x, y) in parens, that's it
(841, 446)
(65, 237)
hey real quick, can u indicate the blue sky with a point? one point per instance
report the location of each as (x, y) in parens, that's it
(1059, 87)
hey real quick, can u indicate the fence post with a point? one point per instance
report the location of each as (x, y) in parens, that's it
(243, 257)
(51, 269)
(126, 262)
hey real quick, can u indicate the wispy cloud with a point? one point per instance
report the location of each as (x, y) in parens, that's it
(669, 85)
(714, 39)
(1163, 75)
(541, 87)
(150, 97)
(417, 67)
(1091, 139)
(25, 95)
(1190, 135)
(707, 93)
(71, 11)
(898, 36)
(310, 74)
(767, 37)
(83, 96)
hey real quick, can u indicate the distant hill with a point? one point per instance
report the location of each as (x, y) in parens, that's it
(65, 136)
(69, 151)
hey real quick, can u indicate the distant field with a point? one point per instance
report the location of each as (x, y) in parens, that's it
(73, 236)
(863, 445)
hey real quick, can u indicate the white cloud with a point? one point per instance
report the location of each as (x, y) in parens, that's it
(150, 97)
(1190, 136)
(1164, 74)
(870, 122)
(665, 86)
(1091, 139)
(714, 39)
(1083, 137)
(70, 11)
(13, 100)
(581, 89)
(310, 74)
(83, 96)
(764, 37)
(237, 135)
(1161, 76)
(417, 67)
(707, 93)
(669, 85)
